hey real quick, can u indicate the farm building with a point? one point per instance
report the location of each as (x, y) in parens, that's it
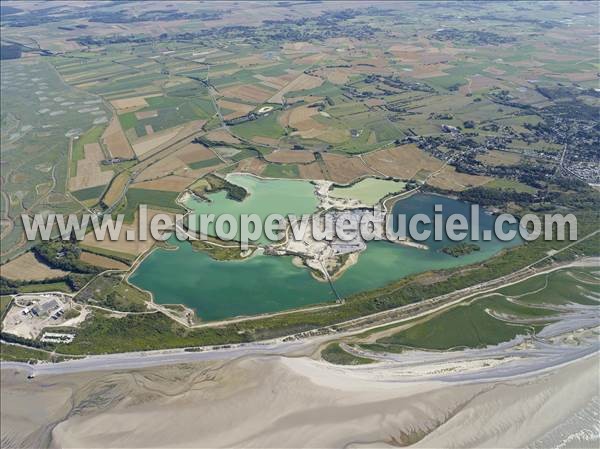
(45, 308)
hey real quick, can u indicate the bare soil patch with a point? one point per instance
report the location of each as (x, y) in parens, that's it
(344, 169)
(477, 83)
(290, 156)
(337, 76)
(149, 143)
(194, 152)
(239, 109)
(429, 71)
(448, 178)
(269, 141)
(246, 92)
(164, 167)
(134, 247)
(251, 165)
(177, 162)
(224, 72)
(171, 183)
(146, 114)
(116, 189)
(304, 98)
(578, 77)
(272, 81)
(372, 140)
(436, 58)
(496, 158)
(331, 135)
(27, 268)
(311, 171)
(89, 173)
(405, 47)
(373, 102)
(301, 119)
(302, 82)
(130, 104)
(252, 60)
(115, 141)
(102, 261)
(296, 47)
(494, 71)
(402, 162)
(310, 59)
(221, 135)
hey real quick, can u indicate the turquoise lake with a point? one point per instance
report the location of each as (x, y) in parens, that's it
(261, 284)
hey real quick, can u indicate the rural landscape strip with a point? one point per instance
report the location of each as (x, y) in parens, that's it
(355, 118)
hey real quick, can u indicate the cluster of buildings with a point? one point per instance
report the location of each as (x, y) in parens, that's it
(31, 314)
(48, 307)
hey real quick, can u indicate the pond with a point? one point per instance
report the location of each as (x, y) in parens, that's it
(265, 197)
(264, 284)
(368, 191)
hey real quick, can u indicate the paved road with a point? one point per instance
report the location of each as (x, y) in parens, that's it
(407, 367)
(133, 360)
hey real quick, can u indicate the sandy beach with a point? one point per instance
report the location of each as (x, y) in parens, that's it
(278, 401)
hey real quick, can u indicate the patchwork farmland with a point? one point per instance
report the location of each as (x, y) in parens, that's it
(141, 116)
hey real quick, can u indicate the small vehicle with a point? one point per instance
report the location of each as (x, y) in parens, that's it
(31, 376)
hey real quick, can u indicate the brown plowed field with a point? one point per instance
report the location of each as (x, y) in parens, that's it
(344, 169)
(27, 268)
(89, 172)
(246, 92)
(102, 261)
(115, 141)
(402, 162)
(290, 156)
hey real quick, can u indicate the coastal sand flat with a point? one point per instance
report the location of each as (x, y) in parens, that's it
(287, 402)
